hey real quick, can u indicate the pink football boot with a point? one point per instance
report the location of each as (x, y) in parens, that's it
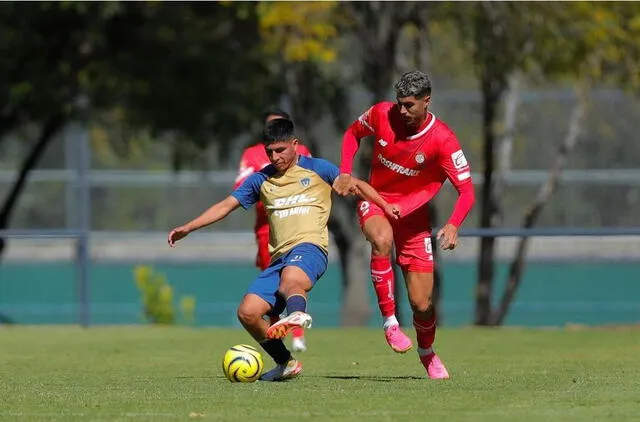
(434, 366)
(398, 340)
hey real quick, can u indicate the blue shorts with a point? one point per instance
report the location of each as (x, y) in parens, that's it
(306, 256)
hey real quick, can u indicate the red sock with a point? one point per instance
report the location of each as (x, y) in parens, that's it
(298, 332)
(425, 331)
(383, 283)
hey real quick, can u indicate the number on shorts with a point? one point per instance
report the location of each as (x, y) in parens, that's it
(364, 207)
(427, 245)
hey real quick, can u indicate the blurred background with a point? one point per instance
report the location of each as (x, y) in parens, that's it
(119, 121)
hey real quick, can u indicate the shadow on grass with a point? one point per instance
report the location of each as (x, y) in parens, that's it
(366, 377)
(333, 377)
(203, 377)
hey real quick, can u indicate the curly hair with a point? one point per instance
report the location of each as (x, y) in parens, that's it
(413, 83)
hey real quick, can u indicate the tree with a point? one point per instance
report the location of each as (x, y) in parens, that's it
(303, 37)
(50, 49)
(577, 41)
(201, 80)
(598, 56)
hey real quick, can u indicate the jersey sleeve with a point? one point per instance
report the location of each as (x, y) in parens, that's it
(458, 171)
(453, 162)
(245, 169)
(326, 170)
(248, 193)
(363, 126)
(366, 123)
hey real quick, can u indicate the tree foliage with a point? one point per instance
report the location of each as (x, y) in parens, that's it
(192, 72)
(577, 41)
(300, 31)
(202, 77)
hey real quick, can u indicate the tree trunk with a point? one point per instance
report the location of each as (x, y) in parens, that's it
(398, 291)
(505, 146)
(545, 193)
(491, 96)
(437, 274)
(356, 309)
(50, 128)
(353, 269)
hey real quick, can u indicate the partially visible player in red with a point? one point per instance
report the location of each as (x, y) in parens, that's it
(253, 159)
(414, 153)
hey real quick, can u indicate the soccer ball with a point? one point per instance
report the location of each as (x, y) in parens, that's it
(242, 363)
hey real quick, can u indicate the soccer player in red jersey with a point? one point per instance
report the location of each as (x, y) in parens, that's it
(254, 158)
(414, 153)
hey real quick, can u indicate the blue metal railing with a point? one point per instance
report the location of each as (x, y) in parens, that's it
(82, 252)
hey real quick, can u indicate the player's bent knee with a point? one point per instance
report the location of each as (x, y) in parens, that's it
(252, 309)
(420, 306)
(379, 233)
(248, 316)
(382, 245)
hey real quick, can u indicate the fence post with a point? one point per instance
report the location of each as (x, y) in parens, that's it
(83, 211)
(69, 178)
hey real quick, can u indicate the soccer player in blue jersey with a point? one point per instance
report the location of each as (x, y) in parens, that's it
(296, 192)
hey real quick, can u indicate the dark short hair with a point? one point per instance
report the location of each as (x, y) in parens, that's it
(277, 130)
(413, 83)
(275, 112)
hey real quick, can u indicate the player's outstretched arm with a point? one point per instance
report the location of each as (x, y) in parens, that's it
(448, 234)
(458, 171)
(344, 183)
(214, 214)
(368, 193)
(362, 127)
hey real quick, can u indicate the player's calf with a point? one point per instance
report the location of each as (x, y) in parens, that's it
(384, 285)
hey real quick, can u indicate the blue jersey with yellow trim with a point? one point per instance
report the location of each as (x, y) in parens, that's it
(297, 202)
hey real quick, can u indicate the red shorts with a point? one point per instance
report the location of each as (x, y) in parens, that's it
(263, 257)
(411, 236)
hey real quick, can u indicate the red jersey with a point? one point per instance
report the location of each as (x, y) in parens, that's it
(409, 168)
(253, 159)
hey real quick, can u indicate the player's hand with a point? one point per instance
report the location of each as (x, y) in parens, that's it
(448, 237)
(343, 185)
(177, 234)
(355, 190)
(392, 211)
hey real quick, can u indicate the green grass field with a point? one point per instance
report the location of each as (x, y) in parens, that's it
(173, 374)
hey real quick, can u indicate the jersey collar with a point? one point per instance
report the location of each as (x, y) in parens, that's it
(431, 119)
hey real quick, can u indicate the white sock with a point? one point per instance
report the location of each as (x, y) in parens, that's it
(390, 322)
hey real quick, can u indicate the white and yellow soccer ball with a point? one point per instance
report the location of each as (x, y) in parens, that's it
(242, 363)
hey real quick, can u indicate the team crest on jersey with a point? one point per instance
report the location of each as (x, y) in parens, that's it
(419, 158)
(305, 182)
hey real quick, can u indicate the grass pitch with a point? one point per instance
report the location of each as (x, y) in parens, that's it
(173, 374)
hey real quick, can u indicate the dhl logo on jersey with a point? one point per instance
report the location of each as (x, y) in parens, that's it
(288, 201)
(291, 200)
